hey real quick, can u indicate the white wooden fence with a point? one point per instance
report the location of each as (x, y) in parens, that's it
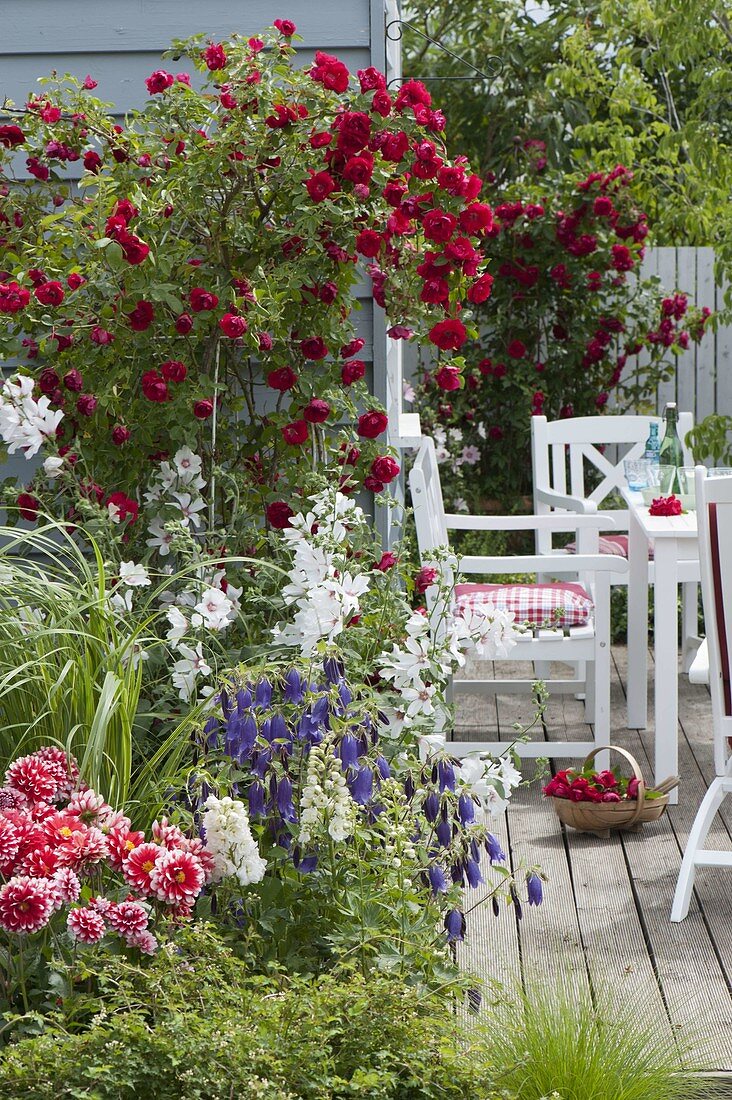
(703, 377)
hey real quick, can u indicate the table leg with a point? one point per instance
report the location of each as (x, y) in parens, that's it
(637, 625)
(666, 650)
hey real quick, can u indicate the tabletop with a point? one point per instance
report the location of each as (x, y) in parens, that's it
(659, 527)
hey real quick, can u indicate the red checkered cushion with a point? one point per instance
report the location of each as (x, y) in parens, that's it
(533, 603)
(615, 545)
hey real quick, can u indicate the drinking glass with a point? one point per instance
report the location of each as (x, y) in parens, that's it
(638, 473)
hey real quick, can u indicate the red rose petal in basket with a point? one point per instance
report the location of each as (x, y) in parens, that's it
(665, 506)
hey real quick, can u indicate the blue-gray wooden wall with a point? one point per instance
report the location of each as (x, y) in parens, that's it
(119, 42)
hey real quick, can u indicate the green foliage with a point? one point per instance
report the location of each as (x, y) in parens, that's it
(555, 1042)
(712, 438)
(195, 1024)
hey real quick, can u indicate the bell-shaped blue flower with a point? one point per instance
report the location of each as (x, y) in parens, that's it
(294, 691)
(263, 694)
(305, 864)
(278, 730)
(445, 775)
(361, 785)
(226, 704)
(256, 799)
(533, 885)
(409, 787)
(455, 925)
(495, 852)
(431, 806)
(284, 800)
(333, 668)
(244, 699)
(212, 730)
(466, 809)
(457, 874)
(383, 766)
(444, 833)
(349, 750)
(472, 873)
(438, 882)
(344, 694)
(261, 761)
(321, 712)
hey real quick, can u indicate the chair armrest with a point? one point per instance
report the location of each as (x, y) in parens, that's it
(561, 500)
(699, 671)
(528, 523)
(544, 563)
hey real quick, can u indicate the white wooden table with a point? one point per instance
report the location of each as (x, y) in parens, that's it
(676, 558)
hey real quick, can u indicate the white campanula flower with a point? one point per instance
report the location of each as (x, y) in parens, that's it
(214, 609)
(187, 670)
(229, 839)
(133, 574)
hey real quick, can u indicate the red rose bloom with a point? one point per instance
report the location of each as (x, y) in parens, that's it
(352, 348)
(282, 379)
(141, 317)
(28, 506)
(173, 370)
(73, 380)
(330, 72)
(214, 56)
(516, 349)
(603, 205)
(393, 147)
(448, 378)
(476, 218)
(133, 249)
(359, 169)
(352, 371)
(92, 161)
(665, 506)
(354, 131)
(10, 136)
(203, 409)
(314, 348)
(75, 280)
(387, 561)
(154, 387)
(86, 404)
(183, 324)
(480, 291)
(201, 299)
(425, 578)
(372, 423)
(438, 225)
(122, 507)
(286, 27)
(233, 325)
(50, 294)
(369, 243)
(316, 411)
(295, 433)
(320, 186)
(48, 380)
(99, 335)
(13, 297)
(448, 335)
(385, 468)
(120, 435)
(279, 514)
(159, 81)
(373, 484)
(622, 258)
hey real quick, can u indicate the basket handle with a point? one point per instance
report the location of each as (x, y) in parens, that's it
(640, 801)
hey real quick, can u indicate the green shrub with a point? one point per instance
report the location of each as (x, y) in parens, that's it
(194, 1023)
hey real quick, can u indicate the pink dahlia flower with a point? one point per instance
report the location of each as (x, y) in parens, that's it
(86, 925)
(25, 904)
(177, 877)
(139, 865)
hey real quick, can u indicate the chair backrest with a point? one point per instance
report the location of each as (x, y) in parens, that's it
(714, 517)
(427, 502)
(563, 452)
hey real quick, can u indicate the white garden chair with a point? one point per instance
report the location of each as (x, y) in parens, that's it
(587, 646)
(714, 518)
(565, 452)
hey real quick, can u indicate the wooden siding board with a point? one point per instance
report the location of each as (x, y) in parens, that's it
(686, 363)
(703, 294)
(104, 26)
(666, 271)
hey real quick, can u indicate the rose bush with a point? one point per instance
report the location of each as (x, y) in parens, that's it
(562, 334)
(197, 288)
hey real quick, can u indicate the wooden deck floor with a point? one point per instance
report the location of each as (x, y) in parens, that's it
(605, 918)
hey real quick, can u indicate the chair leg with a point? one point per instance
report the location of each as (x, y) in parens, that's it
(598, 680)
(705, 815)
(543, 670)
(689, 621)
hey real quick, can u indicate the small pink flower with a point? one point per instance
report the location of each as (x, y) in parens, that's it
(129, 918)
(9, 841)
(67, 885)
(89, 807)
(86, 925)
(83, 849)
(145, 941)
(137, 868)
(33, 777)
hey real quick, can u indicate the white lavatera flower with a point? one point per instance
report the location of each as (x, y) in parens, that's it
(188, 464)
(179, 626)
(214, 609)
(133, 574)
(53, 466)
(121, 602)
(189, 508)
(187, 670)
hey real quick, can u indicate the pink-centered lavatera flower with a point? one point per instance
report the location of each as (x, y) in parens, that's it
(177, 877)
(26, 904)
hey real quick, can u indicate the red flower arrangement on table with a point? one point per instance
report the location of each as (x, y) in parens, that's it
(588, 785)
(665, 506)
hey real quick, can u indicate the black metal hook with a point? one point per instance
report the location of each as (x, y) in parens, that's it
(394, 32)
